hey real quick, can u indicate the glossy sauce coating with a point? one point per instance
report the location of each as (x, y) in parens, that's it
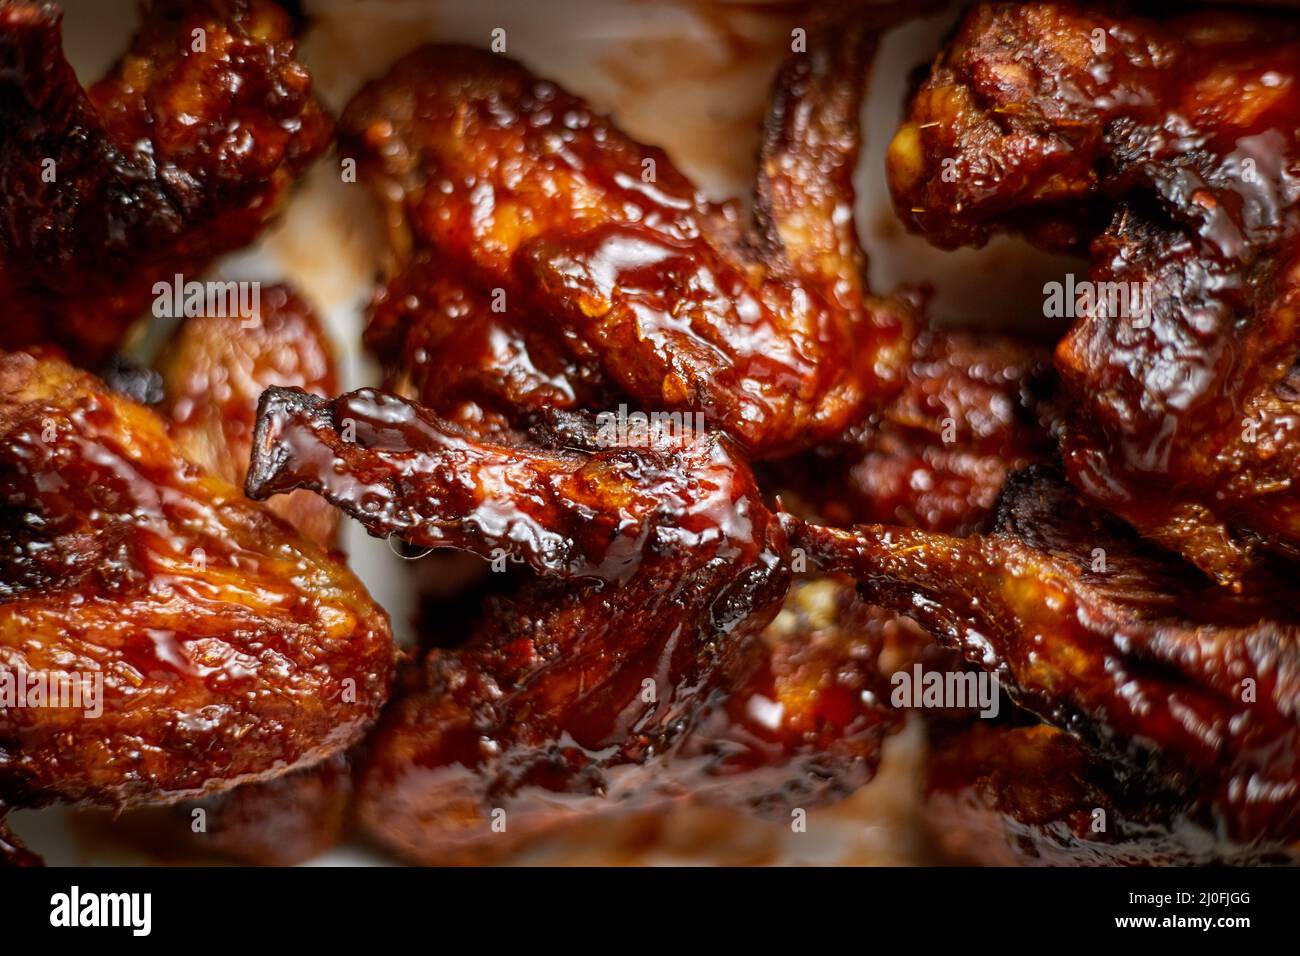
(797, 720)
(174, 157)
(231, 650)
(399, 470)
(668, 564)
(772, 333)
(1101, 635)
(1172, 146)
(453, 347)
(211, 374)
(635, 671)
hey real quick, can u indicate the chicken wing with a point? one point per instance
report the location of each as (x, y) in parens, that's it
(212, 644)
(1172, 145)
(576, 228)
(1101, 635)
(182, 152)
(633, 670)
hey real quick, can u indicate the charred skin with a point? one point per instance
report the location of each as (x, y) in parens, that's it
(1033, 796)
(176, 156)
(215, 369)
(1174, 150)
(973, 410)
(656, 565)
(441, 773)
(231, 649)
(529, 195)
(1122, 646)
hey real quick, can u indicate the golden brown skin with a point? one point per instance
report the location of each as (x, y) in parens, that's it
(231, 649)
(1176, 147)
(1097, 633)
(176, 156)
(215, 369)
(975, 408)
(1032, 795)
(521, 188)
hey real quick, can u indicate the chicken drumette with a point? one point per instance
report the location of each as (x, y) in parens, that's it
(225, 648)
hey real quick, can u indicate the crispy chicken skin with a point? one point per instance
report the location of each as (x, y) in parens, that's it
(1097, 633)
(182, 152)
(231, 649)
(215, 369)
(1172, 146)
(526, 193)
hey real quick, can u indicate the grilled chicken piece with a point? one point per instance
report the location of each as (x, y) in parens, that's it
(1121, 645)
(230, 649)
(632, 669)
(182, 152)
(1032, 795)
(1172, 146)
(469, 765)
(600, 248)
(213, 371)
